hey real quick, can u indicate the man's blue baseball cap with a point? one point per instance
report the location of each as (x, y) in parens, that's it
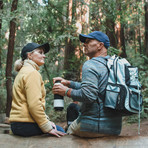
(98, 35)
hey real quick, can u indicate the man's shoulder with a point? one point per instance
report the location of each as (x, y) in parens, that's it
(93, 64)
(96, 61)
(88, 63)
(99, 58)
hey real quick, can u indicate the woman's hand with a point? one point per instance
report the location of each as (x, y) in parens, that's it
(53, 125)
(59, 89)
(63, 81)
(56, 133)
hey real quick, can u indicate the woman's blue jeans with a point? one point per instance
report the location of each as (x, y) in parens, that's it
(27, 129)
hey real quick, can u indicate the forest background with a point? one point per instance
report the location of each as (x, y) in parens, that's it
(59, 22)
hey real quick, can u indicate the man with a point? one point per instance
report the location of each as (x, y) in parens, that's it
(94, 120)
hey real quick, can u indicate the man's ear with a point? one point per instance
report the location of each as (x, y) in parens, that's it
(100, 45)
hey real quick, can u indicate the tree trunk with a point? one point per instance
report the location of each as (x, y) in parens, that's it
(69, 49)
(10, 59)
(79, 16)
(138, 19)
(121, 42)
(70, 12)
(1, 7)
(85, 30)
(146, 27)
(73, 52)
(139, 39)
(120, 33)
(85, 17)
(68, 62)
(110, 31)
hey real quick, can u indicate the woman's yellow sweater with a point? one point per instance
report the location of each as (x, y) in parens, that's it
(28, 104)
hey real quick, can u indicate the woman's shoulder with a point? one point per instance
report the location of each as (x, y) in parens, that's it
(28, 71)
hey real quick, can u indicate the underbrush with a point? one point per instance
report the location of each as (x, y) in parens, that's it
(56, 116)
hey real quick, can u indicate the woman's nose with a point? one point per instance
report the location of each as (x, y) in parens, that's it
(44, 56)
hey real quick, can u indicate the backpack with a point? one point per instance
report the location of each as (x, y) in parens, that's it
(123, 90)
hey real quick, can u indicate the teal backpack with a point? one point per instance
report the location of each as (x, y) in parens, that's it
(123, 91)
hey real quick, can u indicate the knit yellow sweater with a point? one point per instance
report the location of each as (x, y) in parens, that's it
(28, 104)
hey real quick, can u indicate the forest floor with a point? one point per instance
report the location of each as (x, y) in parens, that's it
(131, 129)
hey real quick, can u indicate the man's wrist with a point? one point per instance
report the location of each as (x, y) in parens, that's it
(66, 91)
(69, 92)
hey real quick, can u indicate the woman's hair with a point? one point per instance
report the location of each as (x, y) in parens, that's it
(18, 65)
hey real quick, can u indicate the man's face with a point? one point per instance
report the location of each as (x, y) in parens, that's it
(91, 47)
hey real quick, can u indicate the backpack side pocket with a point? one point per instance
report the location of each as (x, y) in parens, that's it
(112, 95)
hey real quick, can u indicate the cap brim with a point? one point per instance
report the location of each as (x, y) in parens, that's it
(46, 47)
(83, 37)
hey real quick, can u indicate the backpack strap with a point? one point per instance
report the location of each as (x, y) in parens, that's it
(115, 67)
(101, 96)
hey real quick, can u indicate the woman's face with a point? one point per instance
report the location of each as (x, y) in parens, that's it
(37, 56)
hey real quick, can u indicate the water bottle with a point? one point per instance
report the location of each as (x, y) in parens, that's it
(58, 100)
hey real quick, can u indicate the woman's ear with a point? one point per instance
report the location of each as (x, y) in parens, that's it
(29, 56)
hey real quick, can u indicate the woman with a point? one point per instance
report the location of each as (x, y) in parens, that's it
(27, 114)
